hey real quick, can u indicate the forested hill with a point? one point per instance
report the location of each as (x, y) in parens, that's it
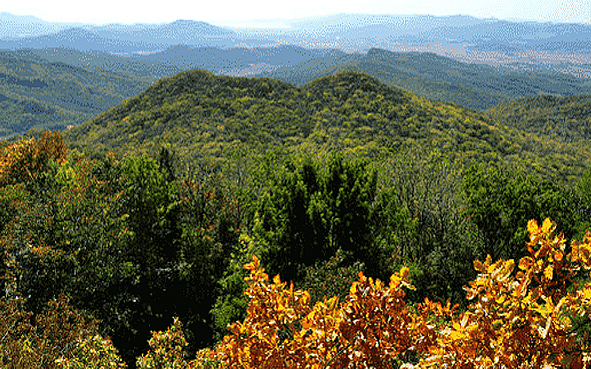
(203, 115)
(565, 118)
(322, 181)
(37, 92)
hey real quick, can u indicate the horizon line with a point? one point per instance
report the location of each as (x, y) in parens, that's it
(281, 22)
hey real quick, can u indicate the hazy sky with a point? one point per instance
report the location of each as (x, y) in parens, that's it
(226, 12)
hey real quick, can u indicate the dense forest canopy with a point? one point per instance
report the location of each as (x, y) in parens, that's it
(204, 116)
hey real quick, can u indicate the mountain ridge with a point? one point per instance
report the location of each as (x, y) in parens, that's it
(439, 78)
(452, 35)
(434, 77)
(40, 93)
(204, 116)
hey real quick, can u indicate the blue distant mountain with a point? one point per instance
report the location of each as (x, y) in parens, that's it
(114, 38)
(78, 39)
(359, 33)
(184, 32)
(350, 25)
(232, 60)
(17, 26)
(185, 43)
(497, 34)
(347, 32)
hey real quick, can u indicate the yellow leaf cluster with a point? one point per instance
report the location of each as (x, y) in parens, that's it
(23, 158)
(518, 318)
(370, 328)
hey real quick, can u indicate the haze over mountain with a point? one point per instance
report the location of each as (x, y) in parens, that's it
(461, 37)
(234, 61)
(124, 39)
(13, 26)
(355, 32)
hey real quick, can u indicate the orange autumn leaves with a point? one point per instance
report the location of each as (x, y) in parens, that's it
(522, 319)
(519, 317)
(282, 330)
(24, 158)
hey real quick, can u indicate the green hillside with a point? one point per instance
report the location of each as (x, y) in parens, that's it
(564, 118)
(205, 116)
(438, 78)
(35, 92)
(56, 88)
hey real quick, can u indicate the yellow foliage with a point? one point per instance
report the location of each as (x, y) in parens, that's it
(23, 159)
(370, 328)
(518, 318)
(522, 319)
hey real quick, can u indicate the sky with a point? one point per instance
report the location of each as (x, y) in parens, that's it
(250, 12)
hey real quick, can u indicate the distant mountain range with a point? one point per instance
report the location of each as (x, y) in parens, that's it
(55, 88)
(454, 35)
(435, 77)
(126, 39)
(14, 26)
(234, 61)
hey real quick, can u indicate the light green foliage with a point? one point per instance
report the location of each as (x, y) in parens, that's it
(231, 304)
(205, 117)
(565, 118)
(151, 203)
(166, 349)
